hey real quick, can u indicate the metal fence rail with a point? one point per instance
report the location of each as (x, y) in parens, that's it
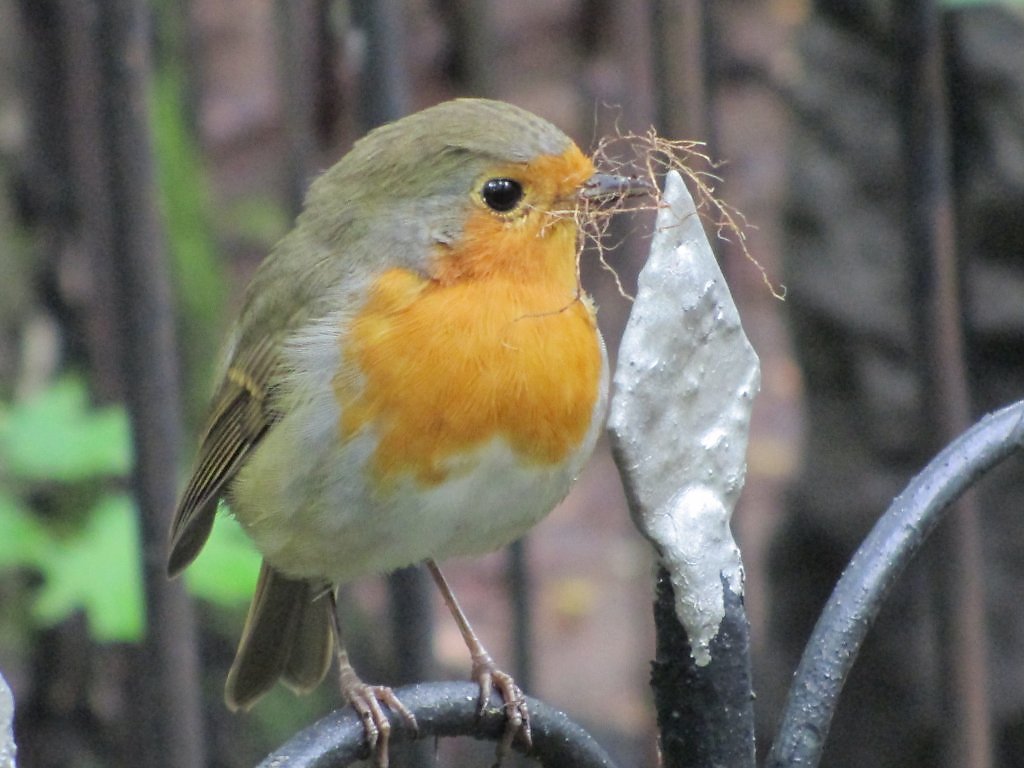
(895, 539)
(442, 709)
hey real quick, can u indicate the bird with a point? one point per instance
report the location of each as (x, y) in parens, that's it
(415, 374)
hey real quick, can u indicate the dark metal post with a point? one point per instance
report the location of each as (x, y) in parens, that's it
(705, 713)
(520, 590)
(682, 37)
(296, 35)
(931, 243)
(167, 665)
(471, 26)
(385, 83)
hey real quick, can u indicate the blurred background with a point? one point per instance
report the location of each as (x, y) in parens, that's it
(152, 153)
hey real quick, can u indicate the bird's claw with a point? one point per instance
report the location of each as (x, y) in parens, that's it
(366, 700)
(517, 715)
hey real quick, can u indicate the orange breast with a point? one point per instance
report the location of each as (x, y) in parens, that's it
(439, 367)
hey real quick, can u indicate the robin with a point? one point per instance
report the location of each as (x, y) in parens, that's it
(416, 374)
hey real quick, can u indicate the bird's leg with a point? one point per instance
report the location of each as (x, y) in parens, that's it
(486, 674)
(366, 699)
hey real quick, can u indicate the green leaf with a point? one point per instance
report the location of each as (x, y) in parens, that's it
(23, 539)
(225, 571)
(97, 571)
(56, 435)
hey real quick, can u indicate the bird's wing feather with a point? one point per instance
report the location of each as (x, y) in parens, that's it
(240, 416)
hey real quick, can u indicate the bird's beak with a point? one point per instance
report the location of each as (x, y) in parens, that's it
(605, 186)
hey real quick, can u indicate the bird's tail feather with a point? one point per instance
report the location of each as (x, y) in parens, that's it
(287, 636)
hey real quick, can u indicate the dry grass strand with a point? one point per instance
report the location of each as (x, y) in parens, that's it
(649, 156)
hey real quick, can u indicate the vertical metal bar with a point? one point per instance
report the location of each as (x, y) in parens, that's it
(168, 664)
(385, 84)
(92, 210)
(931, 243)
(520, 588)
(630, 22)
(705, 713)
(471, 26)
(409, 590)
(296, 46)
(385, 97)
(681, 33)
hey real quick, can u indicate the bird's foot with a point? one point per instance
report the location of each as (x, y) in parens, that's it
(366, 700)
(517, 716)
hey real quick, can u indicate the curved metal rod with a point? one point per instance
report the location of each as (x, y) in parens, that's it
(441, 709)
(852, 608)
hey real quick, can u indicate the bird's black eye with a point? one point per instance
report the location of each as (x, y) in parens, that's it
(502, 195)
